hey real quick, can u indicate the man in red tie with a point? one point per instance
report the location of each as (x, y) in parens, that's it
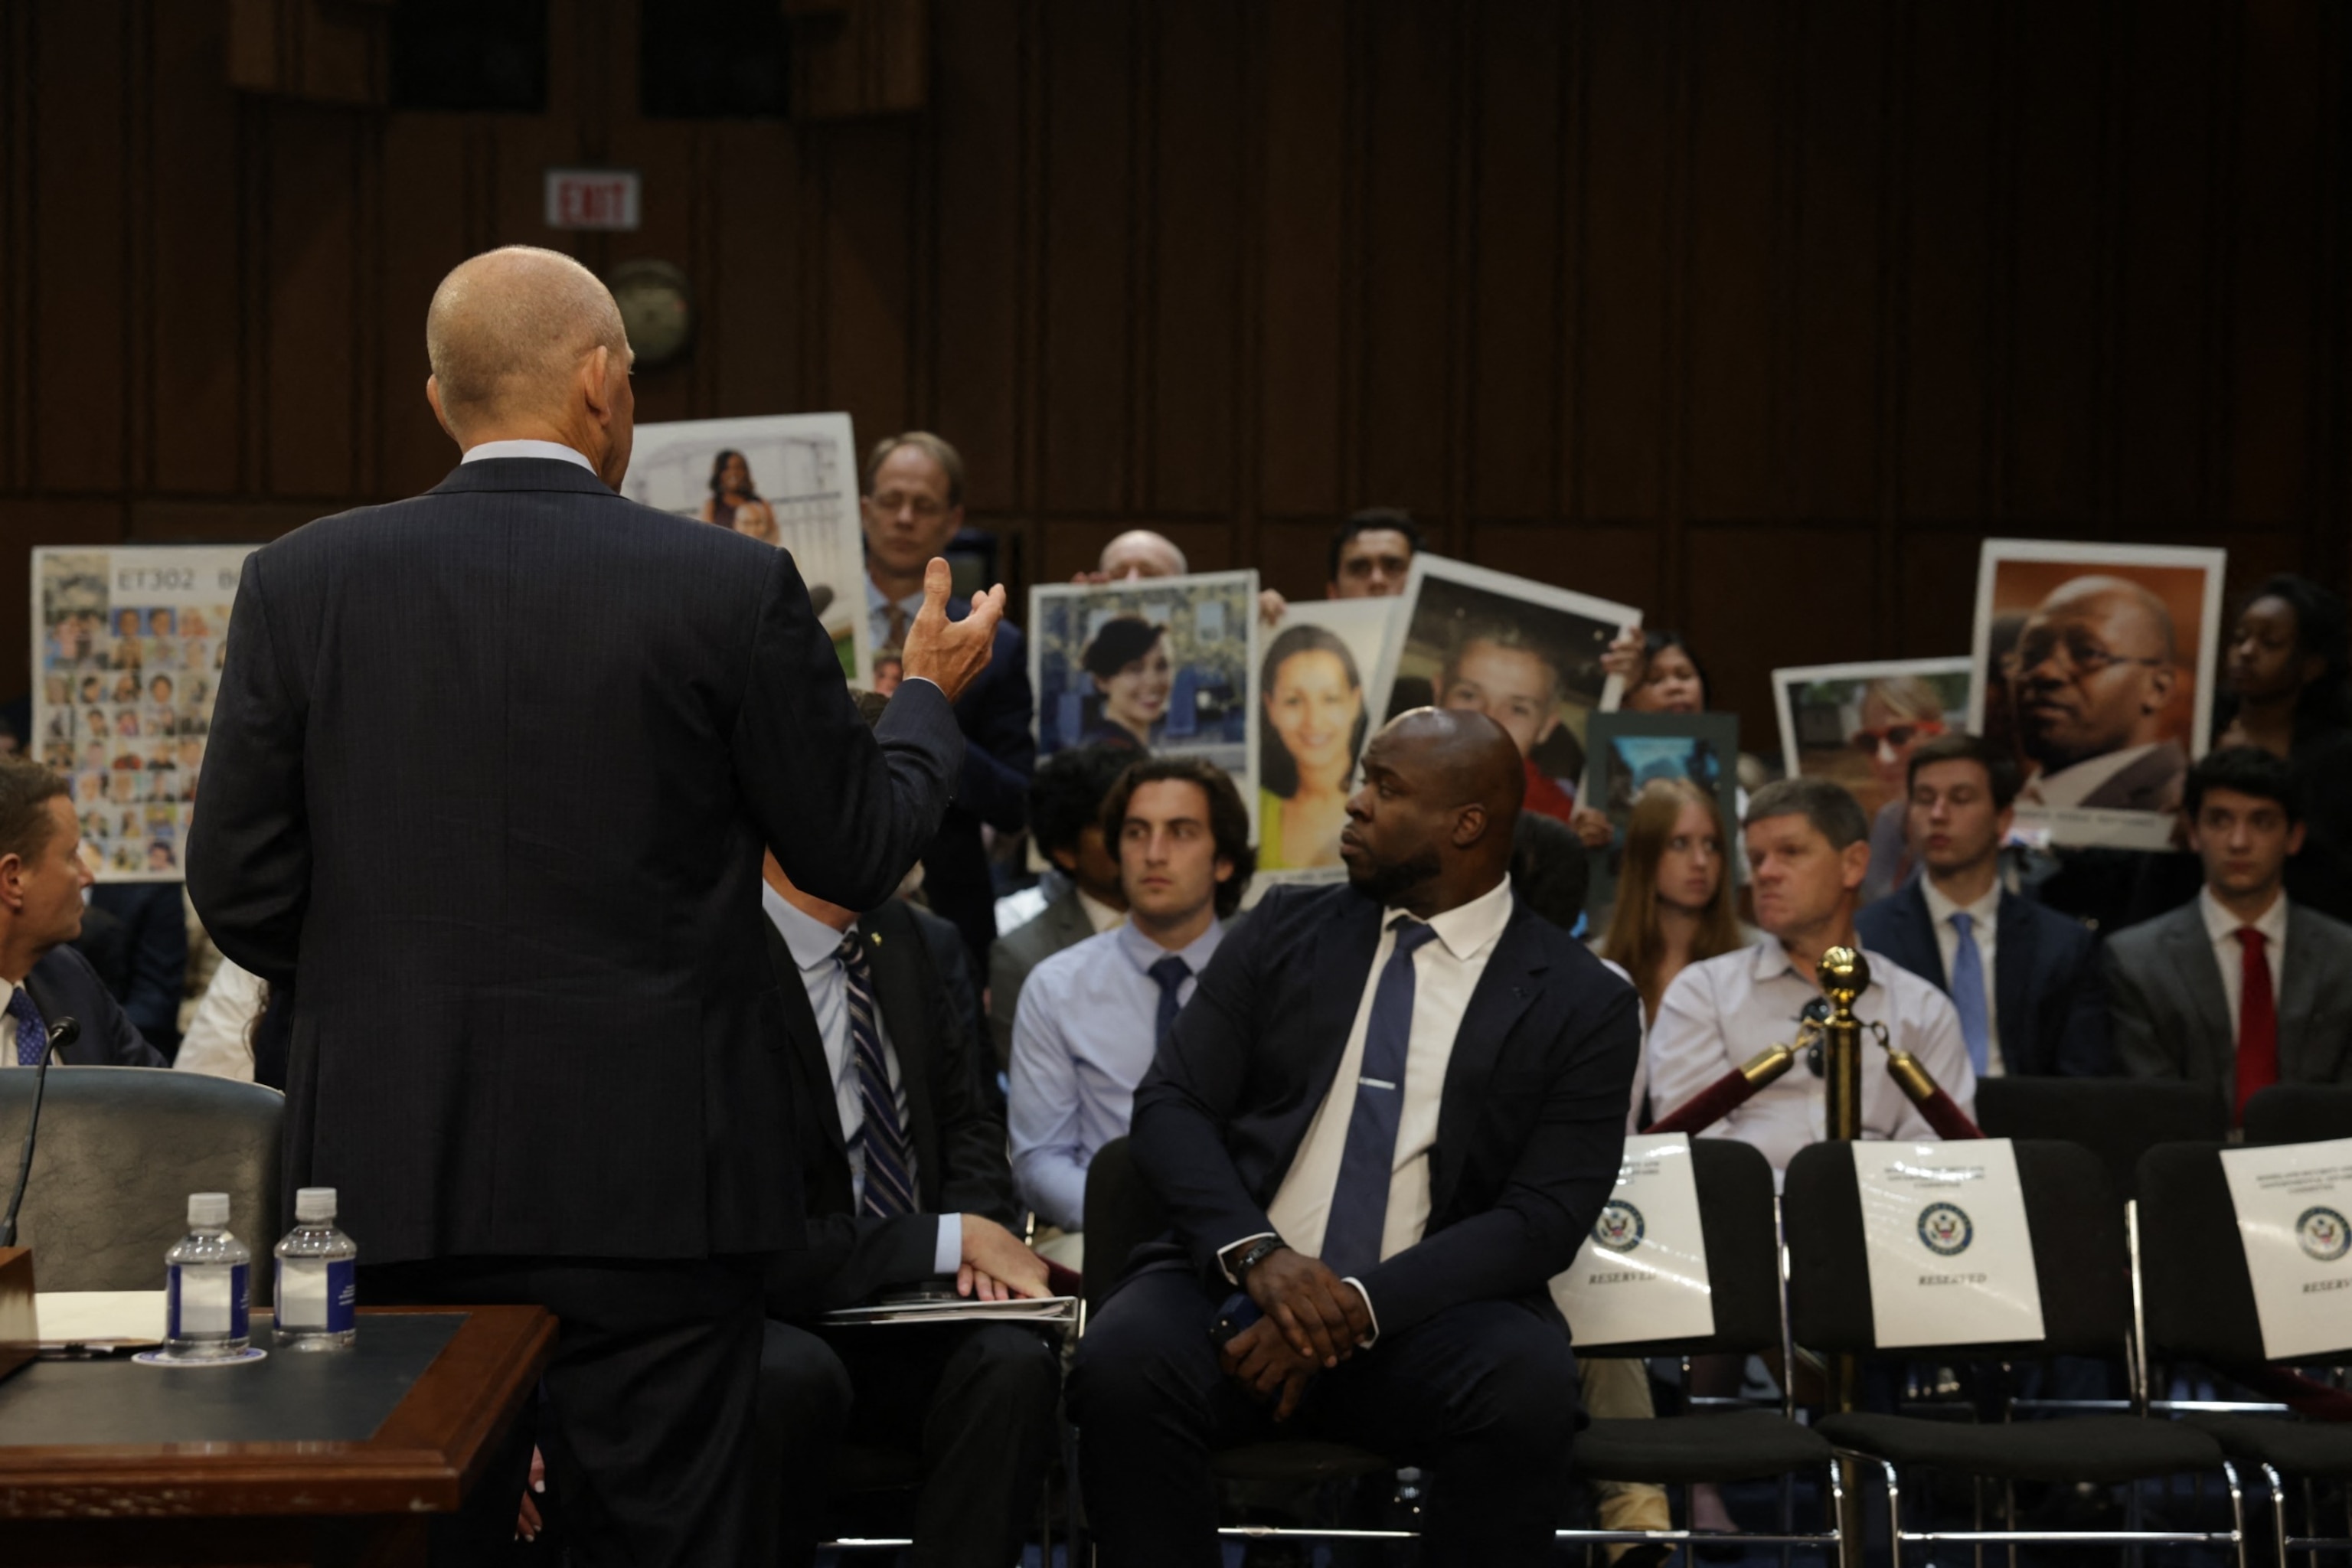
(2242, 988)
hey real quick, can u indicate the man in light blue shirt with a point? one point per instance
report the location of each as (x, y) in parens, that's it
(1092, 1016)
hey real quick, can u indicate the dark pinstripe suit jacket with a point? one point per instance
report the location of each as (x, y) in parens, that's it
(488, 778)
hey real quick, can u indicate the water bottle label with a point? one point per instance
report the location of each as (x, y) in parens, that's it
(342, 1295)
(206, 1301)
(315, 1297)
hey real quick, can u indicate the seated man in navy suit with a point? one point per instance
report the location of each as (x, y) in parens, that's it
(2023, 978)
(42, 876)
(1379, 1126)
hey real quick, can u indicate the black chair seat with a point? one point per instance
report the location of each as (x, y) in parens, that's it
(1302, 1461)
(858, 1467)
(2322, 1450)
(2102, 1450)
(1738, 1445)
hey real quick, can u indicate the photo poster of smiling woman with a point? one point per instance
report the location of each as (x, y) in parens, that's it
(1314, 712)
(1856, 725)
(1525, 654)
(2094, 664)
(1165, 665)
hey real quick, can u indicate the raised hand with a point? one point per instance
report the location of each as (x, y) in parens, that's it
(950, 654)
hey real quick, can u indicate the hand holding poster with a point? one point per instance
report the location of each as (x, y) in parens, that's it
(1951, 1258)
(1642, 1274)
(2295, 1219)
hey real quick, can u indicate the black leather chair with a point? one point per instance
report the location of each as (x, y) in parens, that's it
(1739, 1227)
(2081, 1261)
(2298, 1114)
(118, 1151)
(2117, 1119)
(2200, 1304)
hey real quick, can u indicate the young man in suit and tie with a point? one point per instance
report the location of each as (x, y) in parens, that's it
(1384, 1121)
(2024, 979)
(906, 1182)
(2242, 988)
(42, 876)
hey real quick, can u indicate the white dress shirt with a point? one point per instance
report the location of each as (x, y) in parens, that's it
(1985, 916)
(555, 449)
(1445, 971)
(2072, 786)
(219, 1041)
(816, 952)
(1719, 1014)
(2223, 927)
(1099, 915)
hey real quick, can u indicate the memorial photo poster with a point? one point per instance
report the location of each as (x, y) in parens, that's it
(2293, 1204)
(1525, 654)
(127, 644)
(1166, 664)
(2094, 663)
(1625, 752)
(1856, 725)
(1314, 712)
(786, 480)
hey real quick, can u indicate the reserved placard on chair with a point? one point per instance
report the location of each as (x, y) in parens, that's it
(1642, 1274)
(2294, 1220)
(1952, 1257)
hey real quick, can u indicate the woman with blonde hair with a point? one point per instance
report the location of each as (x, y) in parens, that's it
(1674, 892)
(1898, 713)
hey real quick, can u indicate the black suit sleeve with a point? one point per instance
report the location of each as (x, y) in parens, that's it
(2084, 1049)
(975, 1176)
(848, 1258)
(249, 846)
(1563, 1174)
(998, 722)
(845, 810)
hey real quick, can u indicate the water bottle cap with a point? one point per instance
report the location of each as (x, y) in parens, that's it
(208, 1211)
(314, 1203)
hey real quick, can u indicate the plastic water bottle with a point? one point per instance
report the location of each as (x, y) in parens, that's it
(208, 1279)
(318, 1290)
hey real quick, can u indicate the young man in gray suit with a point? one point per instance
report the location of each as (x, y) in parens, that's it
(2243, 987)
(1065, 815)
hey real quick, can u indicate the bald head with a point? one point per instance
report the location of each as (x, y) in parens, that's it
(1140, 553)
(2093, 671)
(522, 339)
(1431, 828)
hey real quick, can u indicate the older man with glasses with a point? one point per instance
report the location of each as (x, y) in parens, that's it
(2094, 670)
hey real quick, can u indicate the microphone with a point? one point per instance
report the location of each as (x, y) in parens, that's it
(63, 1032)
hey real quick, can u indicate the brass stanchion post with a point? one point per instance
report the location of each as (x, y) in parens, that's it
(1843, 975)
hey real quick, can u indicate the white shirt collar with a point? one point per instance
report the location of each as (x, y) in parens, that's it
(1984, 913)
(1468, 930)
(2222, 926)
(489, 450)
(812, 942)
(1099, 915)
(2072, 785)
(1143, 953)
(876, 599)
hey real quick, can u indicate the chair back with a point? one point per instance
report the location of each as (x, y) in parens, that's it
(1122, 1213)
(118, 1151)
(2117, 1119)
(2198, 1294)
(1740, 1232)
(2298, 1114)
(2080, 1257)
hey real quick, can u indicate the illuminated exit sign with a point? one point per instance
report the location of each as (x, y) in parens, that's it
(592, 198)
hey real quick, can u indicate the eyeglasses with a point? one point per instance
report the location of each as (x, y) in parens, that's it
(2075, 653)
(1895, 736)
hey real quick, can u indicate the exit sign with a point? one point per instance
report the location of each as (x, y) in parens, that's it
(592, 198)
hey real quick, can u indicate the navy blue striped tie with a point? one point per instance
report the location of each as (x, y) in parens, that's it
(1171, 972)
(1359, 1199)
(889, 1160)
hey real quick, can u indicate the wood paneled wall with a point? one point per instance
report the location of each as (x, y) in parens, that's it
(1759, 314)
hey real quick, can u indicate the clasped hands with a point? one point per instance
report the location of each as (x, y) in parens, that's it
(1314, 1320)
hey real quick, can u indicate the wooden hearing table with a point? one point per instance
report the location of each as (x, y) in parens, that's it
(335, 1457)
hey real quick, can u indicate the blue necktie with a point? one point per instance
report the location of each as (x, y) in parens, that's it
(32, 1034)
(1171, 972)
(1360, 1202)
(889, 1162)
(1969, 992)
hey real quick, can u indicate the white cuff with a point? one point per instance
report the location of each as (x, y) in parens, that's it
(1232, 1251)
(1368, 1341)
(947, 1252)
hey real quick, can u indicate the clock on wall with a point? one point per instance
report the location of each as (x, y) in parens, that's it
(656, 306)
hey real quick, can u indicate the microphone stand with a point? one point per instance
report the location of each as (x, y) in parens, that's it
(63, 1034)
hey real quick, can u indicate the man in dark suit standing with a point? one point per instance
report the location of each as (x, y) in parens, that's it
(2243, 988)
(1378, 1127)
(913, 507)
(2024, 979)
(536, 1042)
(47, 981)
(906, 1180)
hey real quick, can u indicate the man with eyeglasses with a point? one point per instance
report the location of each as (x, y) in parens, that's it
(911, 507)
(2094, 669)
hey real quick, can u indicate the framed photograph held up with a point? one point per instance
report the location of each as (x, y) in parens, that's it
(1314, 712)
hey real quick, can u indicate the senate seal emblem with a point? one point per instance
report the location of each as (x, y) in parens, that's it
(1620, 1227)
(2322, 1233)
(1945, 1229)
